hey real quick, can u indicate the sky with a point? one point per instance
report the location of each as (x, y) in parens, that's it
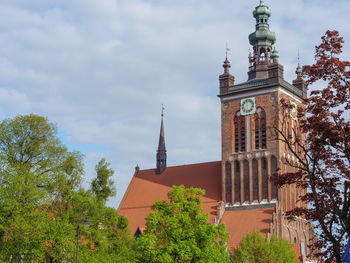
(101, 69)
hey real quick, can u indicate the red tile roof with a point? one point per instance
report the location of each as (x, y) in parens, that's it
(240, 223)
(148, 187)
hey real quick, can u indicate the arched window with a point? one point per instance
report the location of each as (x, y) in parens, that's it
(255, 180)
(228, 183)
(274, 189)
(262, 54)
(237, 182)
(264, 178)
(246, 181)
(239, 130)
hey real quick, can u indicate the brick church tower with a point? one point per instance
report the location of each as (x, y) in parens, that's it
(238, 191)
(251, 152)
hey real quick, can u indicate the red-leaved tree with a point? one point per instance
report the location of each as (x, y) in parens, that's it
(322, 149)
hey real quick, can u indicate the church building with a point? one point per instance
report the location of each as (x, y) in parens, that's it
(238, 190)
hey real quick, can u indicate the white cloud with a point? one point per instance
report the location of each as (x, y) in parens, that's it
(102, 69)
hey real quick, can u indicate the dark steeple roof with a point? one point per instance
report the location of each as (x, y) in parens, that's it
(161, 152)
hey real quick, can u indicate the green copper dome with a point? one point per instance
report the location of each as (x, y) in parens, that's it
(262, 35)
(262, 10)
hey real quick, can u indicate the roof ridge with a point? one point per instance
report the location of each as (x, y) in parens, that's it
(182, 165)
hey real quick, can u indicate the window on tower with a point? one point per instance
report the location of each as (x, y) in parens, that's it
(263, 135)
(239, 133)
(257, 129)
(236, 125)
(242, 139)
(260, 129)
(242, 124)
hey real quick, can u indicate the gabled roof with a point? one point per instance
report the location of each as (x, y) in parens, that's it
(147, 187)
(240, 223)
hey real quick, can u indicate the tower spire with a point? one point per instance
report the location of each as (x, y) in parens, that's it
(262, 40)
(226, 79)
(161, 151)
(299, 70)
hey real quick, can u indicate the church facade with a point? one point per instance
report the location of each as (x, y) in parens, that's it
(238, 190)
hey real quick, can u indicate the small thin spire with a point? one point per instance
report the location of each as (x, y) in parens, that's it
(161, 151)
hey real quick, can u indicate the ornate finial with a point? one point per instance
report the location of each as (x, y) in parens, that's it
(261, 2)
(162, 110)
(226, 64)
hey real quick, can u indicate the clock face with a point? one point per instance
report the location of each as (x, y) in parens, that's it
(248, 106)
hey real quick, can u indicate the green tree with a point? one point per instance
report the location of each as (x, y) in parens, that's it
(108, 237)
(254, 248)
(103, 186)
(40, 193)
(36, 169)
(178, 231)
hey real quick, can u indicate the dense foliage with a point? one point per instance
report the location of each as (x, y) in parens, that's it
(178, 231)
(40, 195)
(255, 248)
(322, 166)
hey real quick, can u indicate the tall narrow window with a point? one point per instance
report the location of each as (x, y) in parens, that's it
(274, 189)
(237, 182)
(257, 129)
(246, 181)
(242, 139)
(236, 125)
(228, 183)
(263, 135)
(255, 180)
(263, 128)
(264, 178)
(242, 123)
